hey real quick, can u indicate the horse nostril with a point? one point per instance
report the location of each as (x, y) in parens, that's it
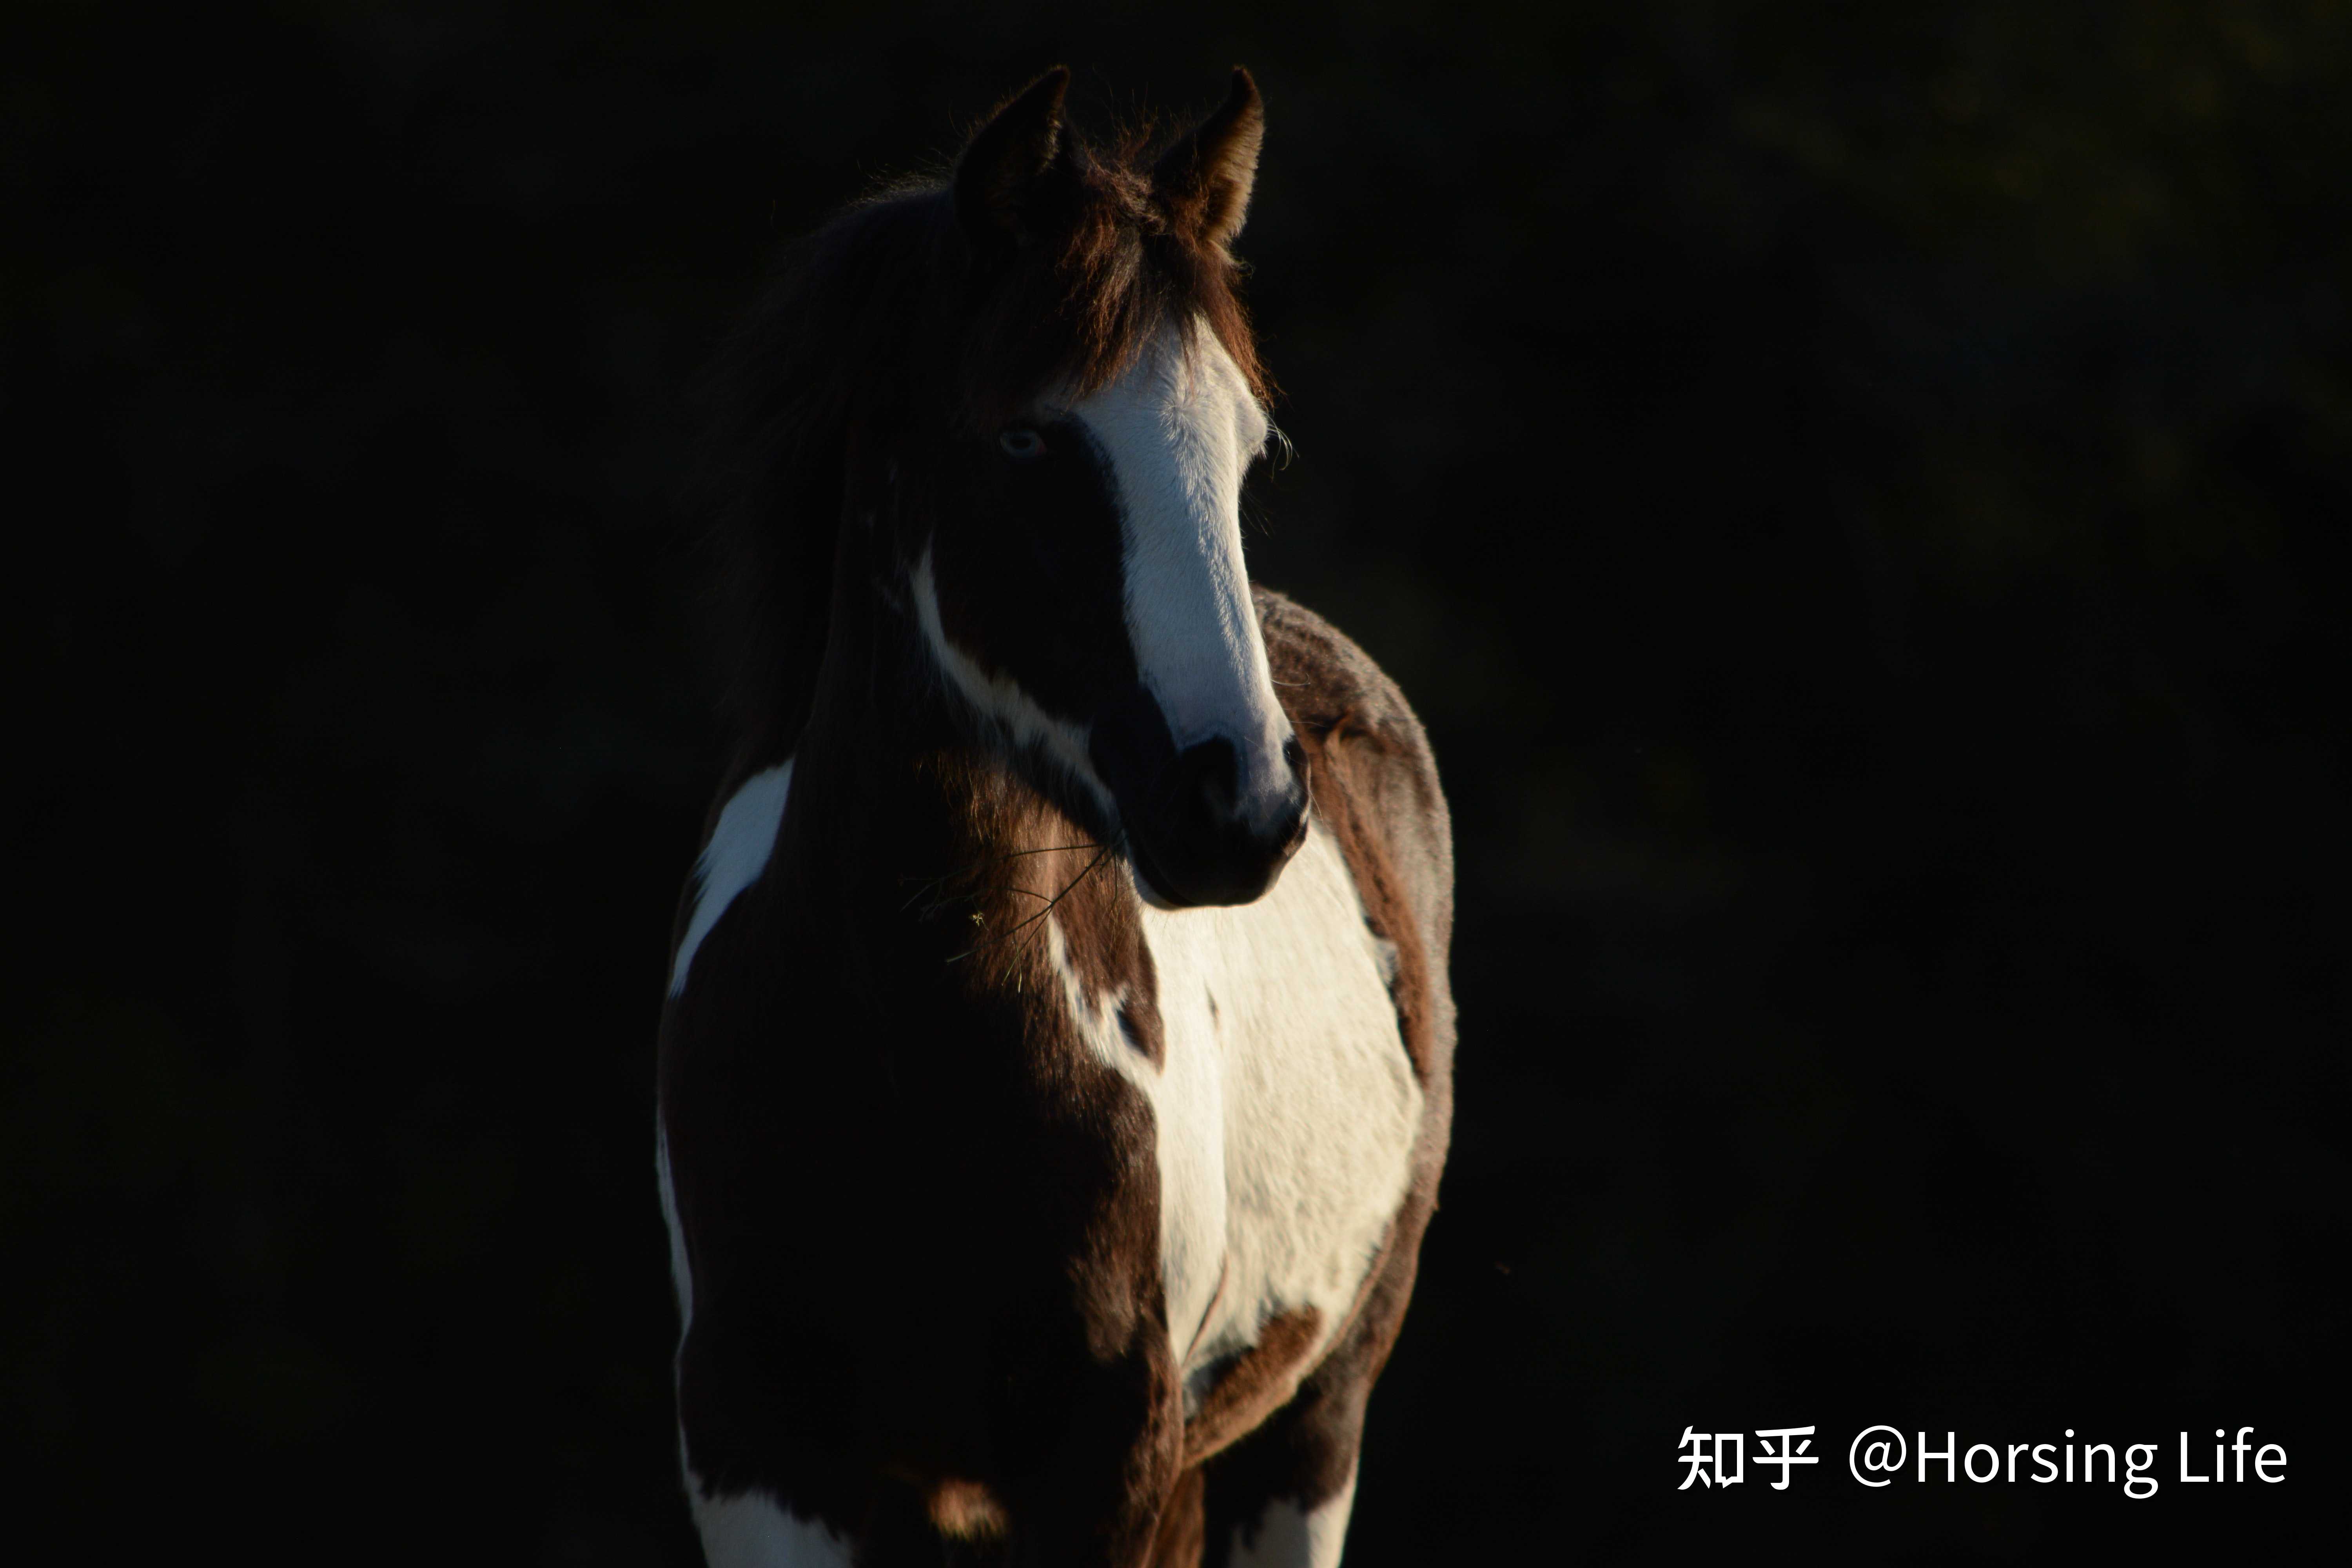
(1294, 754)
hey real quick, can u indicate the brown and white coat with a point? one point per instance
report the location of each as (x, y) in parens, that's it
(1052, 1099)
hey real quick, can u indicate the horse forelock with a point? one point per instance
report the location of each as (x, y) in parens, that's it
(1085, 298)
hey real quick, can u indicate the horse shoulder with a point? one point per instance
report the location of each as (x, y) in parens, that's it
(1376, 788)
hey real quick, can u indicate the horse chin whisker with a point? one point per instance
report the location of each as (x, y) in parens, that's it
(927, 885)
(1102, 853)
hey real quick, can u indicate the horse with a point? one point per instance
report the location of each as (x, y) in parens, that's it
(1055, 1070)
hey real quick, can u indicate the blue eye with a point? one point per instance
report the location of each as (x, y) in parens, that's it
(1022, 444)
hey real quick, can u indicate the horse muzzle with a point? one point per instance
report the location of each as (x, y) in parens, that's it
(1199, 827)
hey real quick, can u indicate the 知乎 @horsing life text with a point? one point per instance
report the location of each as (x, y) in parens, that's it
(1878, 1457)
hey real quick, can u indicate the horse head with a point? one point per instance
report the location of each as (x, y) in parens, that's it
(1072, 544)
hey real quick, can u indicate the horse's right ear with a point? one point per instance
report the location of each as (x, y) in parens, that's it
(1002, 164)
(1204, 179)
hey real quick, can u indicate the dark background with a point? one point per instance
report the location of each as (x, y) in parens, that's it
(1857, 492)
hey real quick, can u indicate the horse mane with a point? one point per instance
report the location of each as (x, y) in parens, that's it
(894, 320)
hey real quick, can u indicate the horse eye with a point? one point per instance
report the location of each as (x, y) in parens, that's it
(1021, 443)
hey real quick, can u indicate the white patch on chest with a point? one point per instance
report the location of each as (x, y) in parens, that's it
(1286, 1110)
(738, 852)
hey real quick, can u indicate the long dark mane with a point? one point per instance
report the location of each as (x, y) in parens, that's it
(909, 320)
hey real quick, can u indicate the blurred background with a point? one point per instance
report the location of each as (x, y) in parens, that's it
(1858, 494)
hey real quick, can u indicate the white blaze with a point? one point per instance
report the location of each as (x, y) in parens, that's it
(1180, 428)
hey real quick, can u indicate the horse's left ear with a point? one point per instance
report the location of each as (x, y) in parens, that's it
(997, 176)
(1205, 180)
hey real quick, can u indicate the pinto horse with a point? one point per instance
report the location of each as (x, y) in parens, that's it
(1055, 1071)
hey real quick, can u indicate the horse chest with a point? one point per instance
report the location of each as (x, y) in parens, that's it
(1285, 1108)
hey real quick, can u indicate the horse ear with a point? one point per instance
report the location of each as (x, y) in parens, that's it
(1205, 180)
(1003, 161)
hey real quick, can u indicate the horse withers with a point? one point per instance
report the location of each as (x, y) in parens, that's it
(1056, 1065)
